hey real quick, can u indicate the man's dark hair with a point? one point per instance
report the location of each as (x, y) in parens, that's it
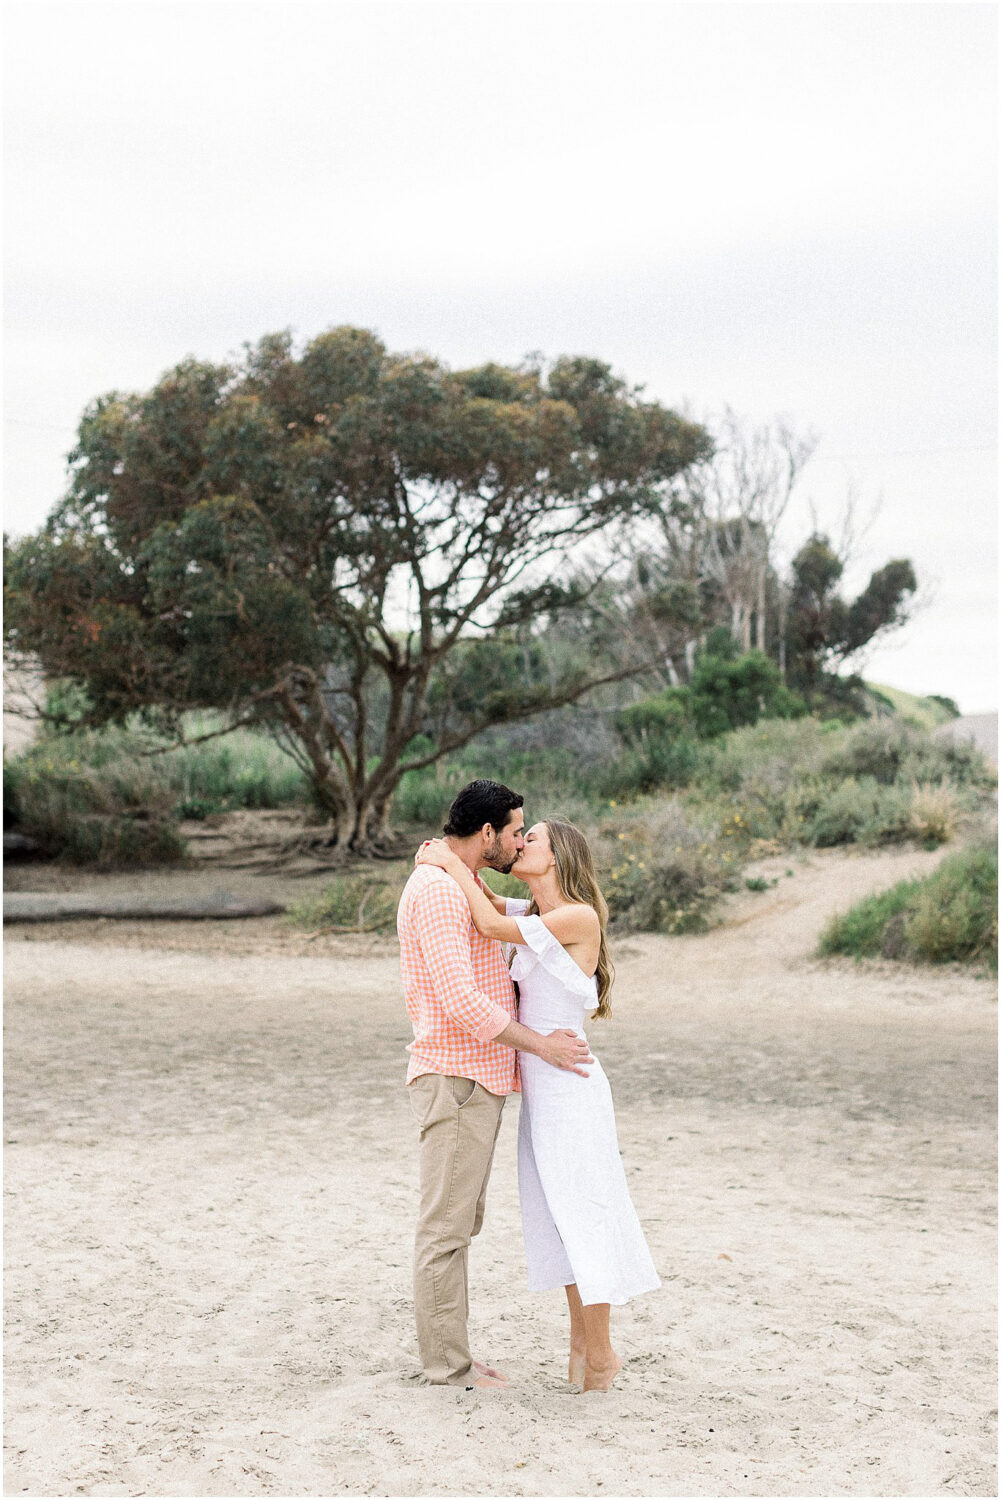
(478, 803)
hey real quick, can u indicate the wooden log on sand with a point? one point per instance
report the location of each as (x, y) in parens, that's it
(65, 906)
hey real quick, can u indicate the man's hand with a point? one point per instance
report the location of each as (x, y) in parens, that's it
(565, 1049)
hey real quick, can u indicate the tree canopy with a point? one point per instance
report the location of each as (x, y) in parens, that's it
(824, 631)
(343, 545)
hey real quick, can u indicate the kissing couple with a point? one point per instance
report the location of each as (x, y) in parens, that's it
(483, 1031)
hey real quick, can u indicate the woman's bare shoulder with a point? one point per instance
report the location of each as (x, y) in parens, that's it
(574, 917)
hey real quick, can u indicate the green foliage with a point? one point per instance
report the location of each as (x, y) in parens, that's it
(423, 798)
(550, 778)
(506, 885)
(106, 809)
(651, 765)
(890, 751)
(950, 916)
(862, 931)
(660, 733)
(949, 706)
(858, 811)
(67, 707)
(664, 716)
(231, 539)
(922, 712)
(660, 871)
(351, 903)
(242, 769)
(99, 797)
(730, 690)
(824, 631)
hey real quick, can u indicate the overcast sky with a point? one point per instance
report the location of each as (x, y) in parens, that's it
(788, 208)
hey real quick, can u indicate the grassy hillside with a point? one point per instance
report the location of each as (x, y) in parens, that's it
(924, 713)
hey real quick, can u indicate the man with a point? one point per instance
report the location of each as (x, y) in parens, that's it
(463, 1065)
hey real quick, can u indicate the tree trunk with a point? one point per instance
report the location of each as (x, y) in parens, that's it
(759, 623)
(371, 831)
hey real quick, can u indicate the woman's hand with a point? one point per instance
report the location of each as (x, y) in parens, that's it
(437, 852)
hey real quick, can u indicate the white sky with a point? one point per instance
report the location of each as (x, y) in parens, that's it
(786, 207)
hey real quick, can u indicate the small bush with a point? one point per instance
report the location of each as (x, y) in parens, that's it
(91, 802)
(859, 812)
(241, 769)
(864, 931)
(935, 813)
(771, 756)
(950, 916)
(352, 903)
(660, 873)
(423, 798)
(890, 751)
(649, 766)
(954, 915)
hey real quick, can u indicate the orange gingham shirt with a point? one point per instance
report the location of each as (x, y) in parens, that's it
(456, 985)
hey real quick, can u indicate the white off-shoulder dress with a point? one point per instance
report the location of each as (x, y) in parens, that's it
(578, 1218)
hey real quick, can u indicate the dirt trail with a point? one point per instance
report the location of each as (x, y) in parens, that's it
(210, 1175)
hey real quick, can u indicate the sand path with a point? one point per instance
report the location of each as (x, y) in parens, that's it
(210, 1175)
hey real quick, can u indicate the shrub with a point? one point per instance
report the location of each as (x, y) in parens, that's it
(954, 915)
(859, 812)
(950, 916)
(650, 766)
(241, 769)
(935, 813)
(659, 872)
(351, 903)
(871, 926)
(729, 690)
(772, 754)
(890, 751)
(89, 801)
(423, 798)
(665, 715)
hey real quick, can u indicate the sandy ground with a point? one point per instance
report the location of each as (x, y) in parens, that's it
(211, 1187)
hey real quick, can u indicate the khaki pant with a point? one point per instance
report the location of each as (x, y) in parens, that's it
(459, 1121)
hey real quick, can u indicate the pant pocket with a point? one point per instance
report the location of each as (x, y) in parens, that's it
(421, 1096)
(463, 1090)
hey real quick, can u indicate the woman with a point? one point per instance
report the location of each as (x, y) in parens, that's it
(581, 1230)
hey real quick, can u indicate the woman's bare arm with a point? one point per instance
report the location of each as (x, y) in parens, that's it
(488, 920)
(569, 924)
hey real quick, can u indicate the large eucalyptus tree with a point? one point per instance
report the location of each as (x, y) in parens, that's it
(310, 542)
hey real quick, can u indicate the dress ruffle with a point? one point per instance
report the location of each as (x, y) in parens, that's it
(538, 946)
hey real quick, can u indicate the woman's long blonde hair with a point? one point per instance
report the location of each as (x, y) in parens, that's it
(578, 881)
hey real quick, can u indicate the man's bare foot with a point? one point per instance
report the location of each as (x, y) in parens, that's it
(489, 1370)
(600, 1377)
(487, 1383)
(578, 1359)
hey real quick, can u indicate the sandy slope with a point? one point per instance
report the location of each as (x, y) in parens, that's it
(210, 1168)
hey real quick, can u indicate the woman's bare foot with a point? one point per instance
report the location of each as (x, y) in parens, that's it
(600, 1377)
(489, 1371)
(486, 1383)
(578, 1359)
